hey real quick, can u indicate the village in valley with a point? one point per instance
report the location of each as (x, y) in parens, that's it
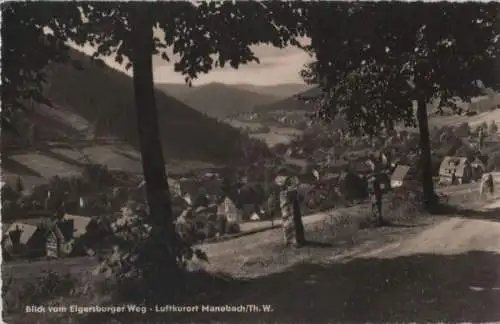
(72, 216)
(77, 185)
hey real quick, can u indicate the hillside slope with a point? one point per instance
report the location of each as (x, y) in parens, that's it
(102, 98)
(279, 90)
(483, 105)
(290, 103)
(473, 121)
(220, 100)
(176, 90)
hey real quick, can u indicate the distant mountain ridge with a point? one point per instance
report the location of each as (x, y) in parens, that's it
(479, 104)
(222, 100)
(291, 103)
(279, 90)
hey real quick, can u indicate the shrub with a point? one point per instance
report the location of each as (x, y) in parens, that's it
(142, 267)
(493, 127)
(9, 193)
(10, 202)
(493, 162)
(48, 286)
(403, 204)
(233, 228)
(210, 230)
(98, 175)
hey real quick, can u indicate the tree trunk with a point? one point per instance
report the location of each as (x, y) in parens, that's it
(297, 220)
(156, 185)
(425, 156)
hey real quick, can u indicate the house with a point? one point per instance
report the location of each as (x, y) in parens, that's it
(399, 175)
(56, 244)
(24, 240)
(70, 235)
(229, 209)
(458, 165)
(174, 186)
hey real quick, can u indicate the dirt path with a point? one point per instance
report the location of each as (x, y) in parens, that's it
(217, 248)
(441, 269)
(493, 205)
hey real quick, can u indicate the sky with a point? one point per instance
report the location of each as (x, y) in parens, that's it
(277, 66)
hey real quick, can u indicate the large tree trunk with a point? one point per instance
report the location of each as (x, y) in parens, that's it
(425, 156)
(157, 191)
(297, 220)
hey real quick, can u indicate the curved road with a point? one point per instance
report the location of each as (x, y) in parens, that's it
(446, 271)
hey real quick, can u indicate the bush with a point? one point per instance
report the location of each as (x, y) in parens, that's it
(98, 175)
(493, 127)
(9, 193)
(210, 230)
(233, 228)
(143, 262)
(403, 204)
(10, 202)
(493, 162)
(44, 288)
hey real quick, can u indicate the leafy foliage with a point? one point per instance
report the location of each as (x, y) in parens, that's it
(45, 287)
(387, 55)
(463, 130)
(27, 50)
(493, 163)
(493, 129)
(136, 259)
(203, 35)
(98, 175)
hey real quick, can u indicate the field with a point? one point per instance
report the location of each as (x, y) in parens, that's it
(37, 166)
(273, 138)
(473, 121)
(276, 135)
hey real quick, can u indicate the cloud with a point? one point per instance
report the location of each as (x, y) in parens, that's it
(272, 70)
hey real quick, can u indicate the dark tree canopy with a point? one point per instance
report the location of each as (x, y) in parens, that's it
(373, 60)
(27, 49)
(203, 35)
